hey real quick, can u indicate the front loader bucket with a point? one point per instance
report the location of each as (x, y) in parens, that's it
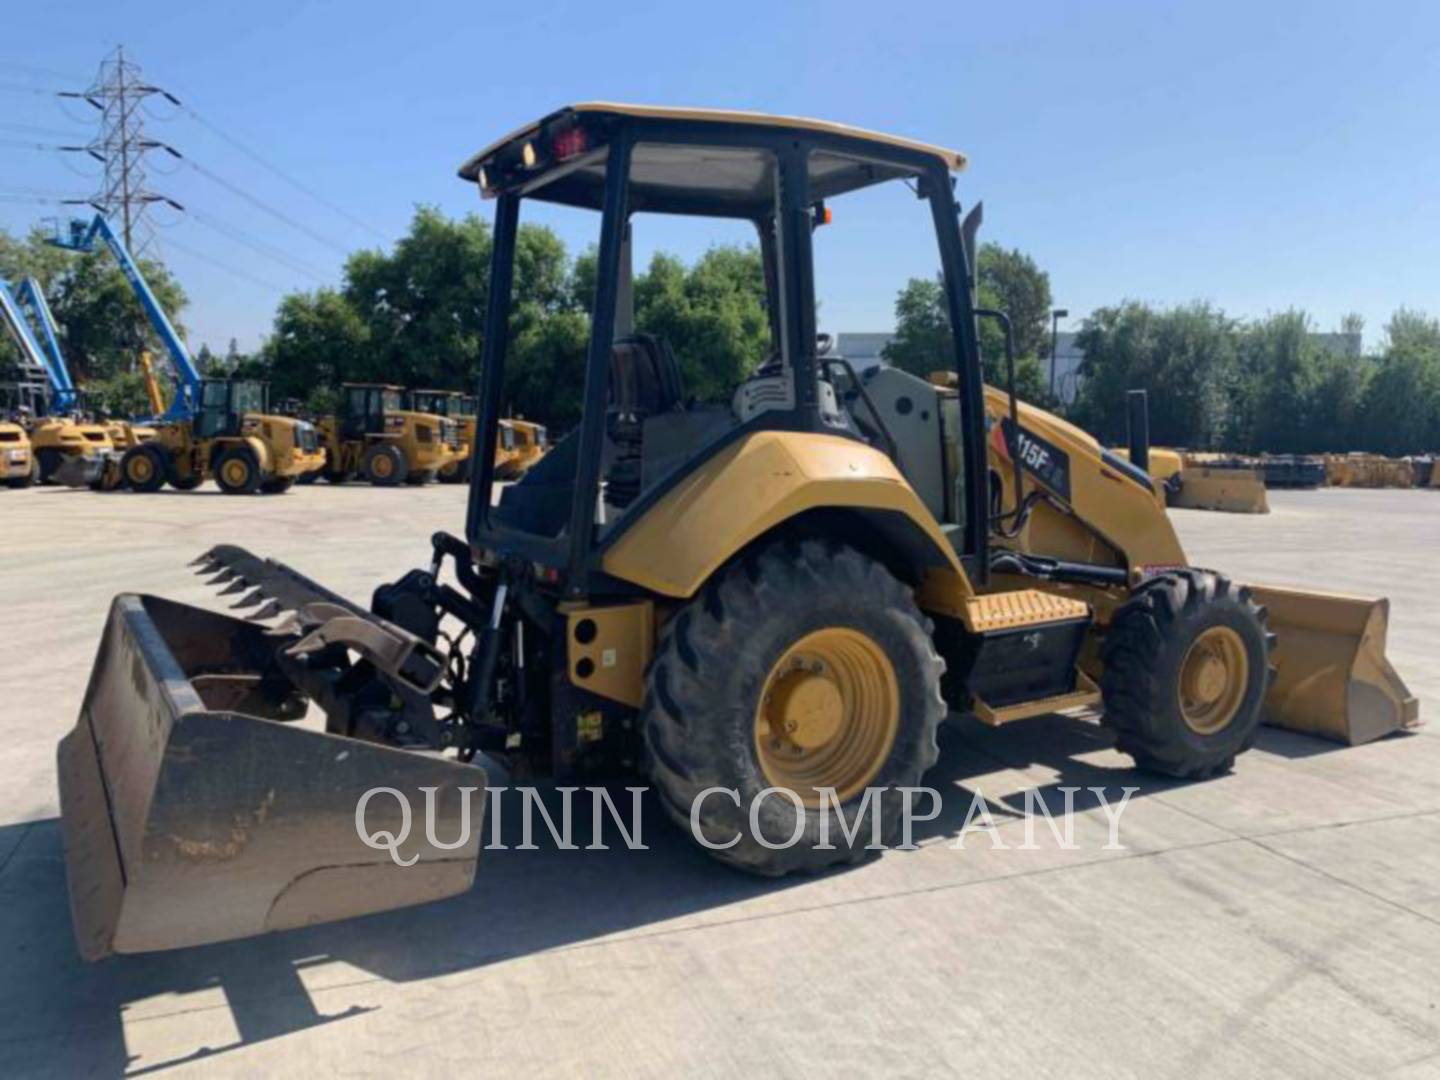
(194, 810)
(1332, 678)
(81, 470)
(1237, 491)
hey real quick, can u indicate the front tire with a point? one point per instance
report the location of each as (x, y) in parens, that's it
(384, 465)
(143, 468)
(237, 472)
(277, 485)
(420, 477)
(1187, 664)
(801, 667)
(456, 472)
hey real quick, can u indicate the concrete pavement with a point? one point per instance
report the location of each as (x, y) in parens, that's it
(1280, 921)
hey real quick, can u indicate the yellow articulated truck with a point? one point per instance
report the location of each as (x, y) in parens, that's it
(376, 438)
(787, 588)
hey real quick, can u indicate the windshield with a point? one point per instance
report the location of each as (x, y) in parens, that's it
(249, 397)
(391, 399)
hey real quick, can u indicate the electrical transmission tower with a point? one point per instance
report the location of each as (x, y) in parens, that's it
(119, 93)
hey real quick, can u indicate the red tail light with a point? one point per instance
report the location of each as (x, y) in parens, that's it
(570, 143)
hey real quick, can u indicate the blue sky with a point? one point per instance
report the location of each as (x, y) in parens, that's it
(1257, 155)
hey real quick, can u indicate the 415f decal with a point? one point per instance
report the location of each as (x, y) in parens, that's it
(1038, 456)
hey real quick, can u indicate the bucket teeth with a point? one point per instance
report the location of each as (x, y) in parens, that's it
(271, 609)
(250, 599)
(271, 583)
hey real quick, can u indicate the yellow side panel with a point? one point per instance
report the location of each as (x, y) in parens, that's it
(753, 486)
(609, 648)
(1127, 516)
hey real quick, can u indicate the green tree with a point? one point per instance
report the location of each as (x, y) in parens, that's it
(1276, 385)
(422, 304)
(712, 314)
(1401, 408)
(102, 325)
(1008, 281)
(1184, 357)
(319, 341)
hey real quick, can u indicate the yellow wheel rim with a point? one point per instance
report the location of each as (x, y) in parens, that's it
(236, 473)
(140, 469)
(1213, 678)
(382, 465)
(828, 715)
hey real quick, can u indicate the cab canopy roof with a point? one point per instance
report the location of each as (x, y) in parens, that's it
(373, 386)
(707, 161)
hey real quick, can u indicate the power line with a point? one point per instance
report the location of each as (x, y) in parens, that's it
(32, 129)
(260, 204)
(242, 237)
(236, 271)
(292, 181)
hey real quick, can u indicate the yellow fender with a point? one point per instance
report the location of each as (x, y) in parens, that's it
(757, 483)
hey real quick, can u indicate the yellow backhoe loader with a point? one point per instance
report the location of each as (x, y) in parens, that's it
(788, 589)
(378, 439)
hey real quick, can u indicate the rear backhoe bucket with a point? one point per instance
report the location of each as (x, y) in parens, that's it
(1238, 491)
(194, 812)
(1332, 678)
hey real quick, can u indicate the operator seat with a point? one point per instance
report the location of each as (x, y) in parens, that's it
(644, 382)
(644, 377)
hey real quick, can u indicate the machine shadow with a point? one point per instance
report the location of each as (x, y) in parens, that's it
(60, 1015)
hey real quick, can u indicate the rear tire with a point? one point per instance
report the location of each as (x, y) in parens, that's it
(182, 481)
(1187, 664)
(384, 465)
(143, 468)
(723, 662)
(237, 472)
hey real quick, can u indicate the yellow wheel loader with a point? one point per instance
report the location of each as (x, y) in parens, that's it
(786, 589)
(460, 408)
(376, 438)
(232, 438)
(17, 462)
(55, 439)
(528, 443)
